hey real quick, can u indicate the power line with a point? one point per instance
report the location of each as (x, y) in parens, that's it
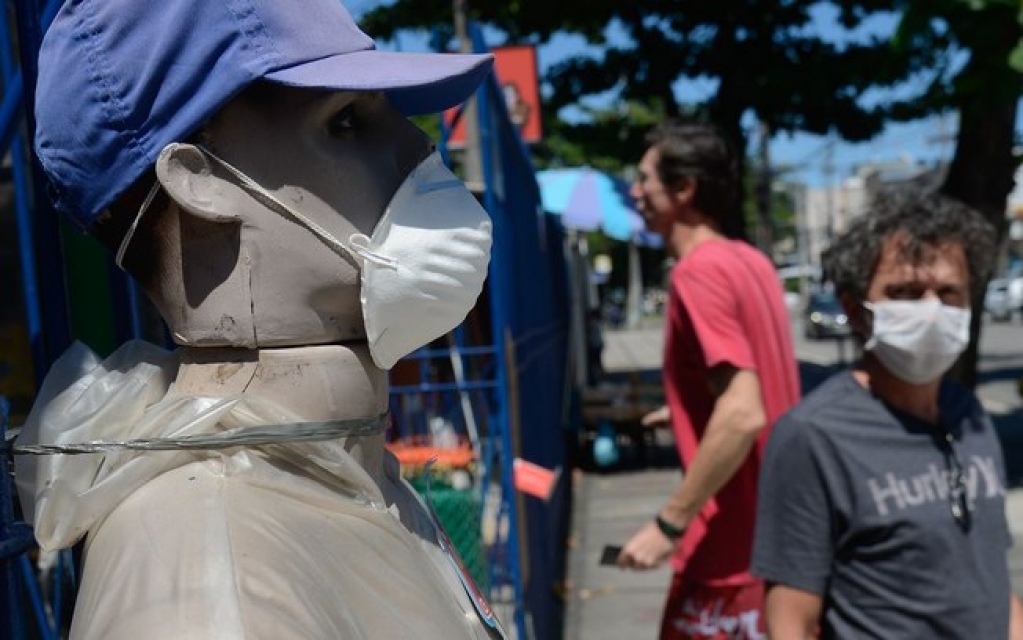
(816, 152)
(879, 144)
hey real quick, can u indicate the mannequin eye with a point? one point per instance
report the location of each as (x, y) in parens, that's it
(343, 122)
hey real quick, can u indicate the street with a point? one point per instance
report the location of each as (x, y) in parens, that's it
(1001, 360)
(604, 602)
(1000, 365)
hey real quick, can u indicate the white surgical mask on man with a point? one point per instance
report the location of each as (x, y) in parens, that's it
(422, 268)
(917, 340)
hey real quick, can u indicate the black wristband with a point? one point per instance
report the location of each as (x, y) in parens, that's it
(668, 529)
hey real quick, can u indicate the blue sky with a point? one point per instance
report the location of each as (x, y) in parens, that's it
(927, 141)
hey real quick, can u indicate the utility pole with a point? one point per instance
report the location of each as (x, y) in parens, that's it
(944, 137)
(472, 159)
(798, 192)
(765, 227)
(828, 168)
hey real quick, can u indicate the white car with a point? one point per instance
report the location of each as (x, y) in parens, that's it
(1004, 296)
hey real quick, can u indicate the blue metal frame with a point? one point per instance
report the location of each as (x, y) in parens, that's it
(53, 333)
(15, 539)
(500, 332)
(528, 303)
(46, 317)
(44, 299)
(17, 574)
(35, 278)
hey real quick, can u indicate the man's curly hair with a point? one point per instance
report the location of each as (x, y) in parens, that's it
(922, 222)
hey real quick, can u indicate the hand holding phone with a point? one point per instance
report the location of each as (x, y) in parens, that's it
(609, 556)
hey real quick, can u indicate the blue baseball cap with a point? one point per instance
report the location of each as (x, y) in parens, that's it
(121, 79)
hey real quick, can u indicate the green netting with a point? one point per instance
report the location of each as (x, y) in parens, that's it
(459, 513)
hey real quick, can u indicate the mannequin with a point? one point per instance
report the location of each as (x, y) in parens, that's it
(286, 327)
(311, 539)
(313, 297)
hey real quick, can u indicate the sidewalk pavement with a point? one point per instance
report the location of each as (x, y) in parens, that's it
(605, 602)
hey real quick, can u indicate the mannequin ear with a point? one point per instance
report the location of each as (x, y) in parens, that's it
(184, 173)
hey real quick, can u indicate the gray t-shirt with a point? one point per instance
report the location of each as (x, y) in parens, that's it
(854, 507)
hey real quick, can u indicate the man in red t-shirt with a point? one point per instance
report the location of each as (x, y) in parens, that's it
(729, 374)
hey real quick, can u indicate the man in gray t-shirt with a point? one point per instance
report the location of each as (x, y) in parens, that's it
(881, 510)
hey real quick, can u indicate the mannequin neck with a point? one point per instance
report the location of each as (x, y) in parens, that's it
(318, 383)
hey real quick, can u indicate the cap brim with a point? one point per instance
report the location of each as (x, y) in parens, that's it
(415, 83)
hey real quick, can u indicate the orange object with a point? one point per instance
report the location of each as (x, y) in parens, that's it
(516, 70)
(534, 480)
(415, 453)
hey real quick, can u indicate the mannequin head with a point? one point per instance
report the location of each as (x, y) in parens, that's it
(299, 101)
(225, 268)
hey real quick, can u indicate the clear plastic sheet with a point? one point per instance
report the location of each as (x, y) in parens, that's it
(274, 541)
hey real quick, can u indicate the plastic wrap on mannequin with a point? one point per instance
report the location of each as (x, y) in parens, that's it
(316, 540)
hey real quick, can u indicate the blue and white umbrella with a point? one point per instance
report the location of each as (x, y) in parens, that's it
(589, 200)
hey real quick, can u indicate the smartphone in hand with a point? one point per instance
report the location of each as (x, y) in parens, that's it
(609, 556)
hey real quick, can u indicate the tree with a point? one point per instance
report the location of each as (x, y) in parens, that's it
(982, 169)
(767, 62)
(608, 138)
(763, 55)
(985, 91)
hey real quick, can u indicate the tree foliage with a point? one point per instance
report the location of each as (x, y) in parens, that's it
(765, 62)
(762, 58)
(985, 91)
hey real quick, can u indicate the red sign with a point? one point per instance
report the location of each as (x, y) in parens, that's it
(516, 71)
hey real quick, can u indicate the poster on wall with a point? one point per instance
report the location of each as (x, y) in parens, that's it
(516, 71)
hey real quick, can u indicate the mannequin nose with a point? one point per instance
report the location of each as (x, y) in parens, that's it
(413, 150)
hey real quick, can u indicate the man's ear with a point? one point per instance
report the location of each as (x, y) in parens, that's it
(859, 320)
(685, 194)
(185, 174)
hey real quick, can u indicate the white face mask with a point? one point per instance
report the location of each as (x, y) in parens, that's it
(422, 268)
(425, 263)
(917, 340)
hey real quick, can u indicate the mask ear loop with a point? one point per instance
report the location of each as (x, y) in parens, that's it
(360, 245)
(268, 199)
(135, 223)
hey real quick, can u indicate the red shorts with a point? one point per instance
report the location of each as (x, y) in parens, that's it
(701, 612)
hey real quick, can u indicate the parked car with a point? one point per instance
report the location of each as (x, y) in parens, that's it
(1003, 297)
(824, 317)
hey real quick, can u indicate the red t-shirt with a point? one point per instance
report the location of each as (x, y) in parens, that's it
(725, 306)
